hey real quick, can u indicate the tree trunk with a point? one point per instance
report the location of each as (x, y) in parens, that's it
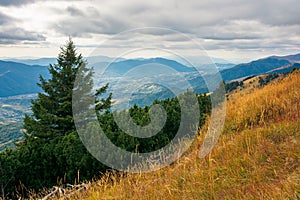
(2, 190)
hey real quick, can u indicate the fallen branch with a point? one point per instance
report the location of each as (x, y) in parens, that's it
(66, 192)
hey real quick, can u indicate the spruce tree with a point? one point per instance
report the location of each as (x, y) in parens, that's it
(52, 110)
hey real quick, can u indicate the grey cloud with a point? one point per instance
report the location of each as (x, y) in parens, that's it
(278, 12)
(232, 24)
(192, 14)
(82, 23)
(92, 12)
(75, 11)
(272, 43)
(156, 31)
(232, 38)
(17, 35)
(86, 28)
(24, 2)
(15, 2)
(4, 19)
(10, 33)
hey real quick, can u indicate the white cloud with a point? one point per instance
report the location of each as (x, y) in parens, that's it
(224, 26)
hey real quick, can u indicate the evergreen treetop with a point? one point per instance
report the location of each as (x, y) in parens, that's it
(52, 110)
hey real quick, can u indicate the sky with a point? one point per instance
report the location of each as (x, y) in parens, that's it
(234, 30)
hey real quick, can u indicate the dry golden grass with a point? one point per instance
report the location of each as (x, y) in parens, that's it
(257, 156)
(251, 84)
(275, 102)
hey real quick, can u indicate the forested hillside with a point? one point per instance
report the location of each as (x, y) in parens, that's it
(257, 156)
(52, 152)
(260, 139)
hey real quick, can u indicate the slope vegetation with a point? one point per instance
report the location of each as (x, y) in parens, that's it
(257, 156)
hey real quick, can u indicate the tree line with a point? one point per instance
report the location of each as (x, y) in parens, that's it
(52, 152)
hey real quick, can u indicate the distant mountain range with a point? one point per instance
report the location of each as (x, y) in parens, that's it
(122, 67)
(262, 66)
(47, 61)
(38, 61)
(17, 78)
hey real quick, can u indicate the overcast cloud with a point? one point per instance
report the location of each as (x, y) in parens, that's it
(4, 19)
(10, 33)
(15, 2)
(237, 26)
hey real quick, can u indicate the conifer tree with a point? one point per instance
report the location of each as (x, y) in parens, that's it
(52, 110)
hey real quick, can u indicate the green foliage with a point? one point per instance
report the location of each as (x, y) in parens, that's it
(8, 166)
(10, 133)
(267, 79)
(140, 116)
(52, 110)
(219, 95)
(50, 162)
(233, 85)
(53, 154)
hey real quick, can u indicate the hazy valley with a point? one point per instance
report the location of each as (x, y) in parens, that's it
(20, 81)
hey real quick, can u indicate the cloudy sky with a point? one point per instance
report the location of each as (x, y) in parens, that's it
(235, 30)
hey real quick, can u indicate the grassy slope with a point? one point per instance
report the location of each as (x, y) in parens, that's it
(257, 156)
(251, 84)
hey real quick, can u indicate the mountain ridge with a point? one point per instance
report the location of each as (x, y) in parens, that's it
(18, 78)
(260, 66)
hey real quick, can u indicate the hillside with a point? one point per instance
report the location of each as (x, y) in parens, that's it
(256, 157)
(271, 64)
(18, 78)
(249, 84)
